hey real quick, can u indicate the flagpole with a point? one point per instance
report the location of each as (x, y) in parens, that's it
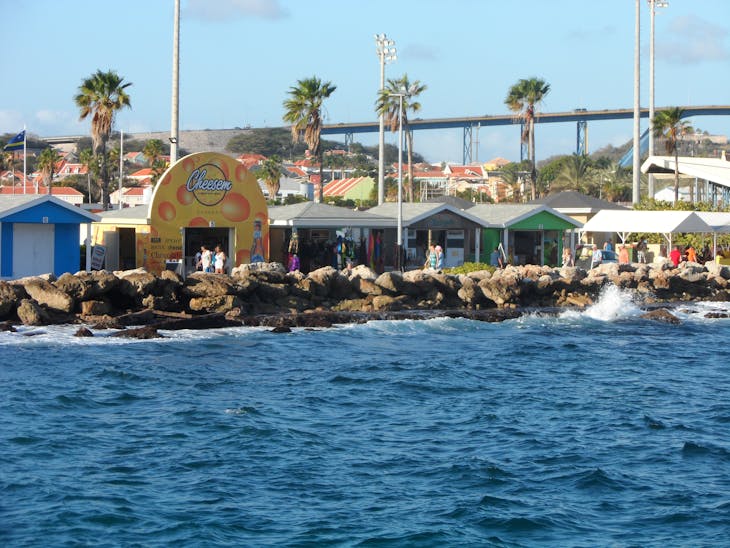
(25, 156)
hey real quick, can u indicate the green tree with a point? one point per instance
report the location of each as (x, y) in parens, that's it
(303, 110)
(152, 150)
(669, 124)
(389, 105)
(47, 162)
(270, 171)
(576, 173)
(100, 96)
(523, 98)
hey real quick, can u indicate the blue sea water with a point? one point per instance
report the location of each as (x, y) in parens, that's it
(595, 428)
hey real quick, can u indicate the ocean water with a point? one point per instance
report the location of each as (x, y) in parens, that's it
(592, 428)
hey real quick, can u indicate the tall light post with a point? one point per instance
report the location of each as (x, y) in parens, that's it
(387, 54)
(399, 238)
(399, 241)
(653, 4)
(174, 122)
(636, 188)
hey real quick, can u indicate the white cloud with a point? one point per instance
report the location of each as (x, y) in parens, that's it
(420, 52)
(56, 122)
(693, 40)
(222, 10)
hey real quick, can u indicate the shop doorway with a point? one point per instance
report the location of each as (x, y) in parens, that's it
(127, 248)
(527, 247)
(193, 238)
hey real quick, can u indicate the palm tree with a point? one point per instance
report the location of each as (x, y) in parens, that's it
(100, 96)
(270, 172)
(523, 98)
(153, 151)
(47, 161)
(577, 173)
(303, 110)
(670, 125)
(388, 104)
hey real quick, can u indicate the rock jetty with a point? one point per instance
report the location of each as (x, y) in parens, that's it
(265, 294)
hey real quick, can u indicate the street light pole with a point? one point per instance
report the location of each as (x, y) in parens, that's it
(386, 53)
(399, 244)
(653, 4)
(174, 122)
(636, 188)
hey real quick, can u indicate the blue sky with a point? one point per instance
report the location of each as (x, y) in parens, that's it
(239, 58)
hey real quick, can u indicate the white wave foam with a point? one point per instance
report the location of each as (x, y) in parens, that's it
(613, 304)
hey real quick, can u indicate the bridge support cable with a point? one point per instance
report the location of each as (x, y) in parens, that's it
(466, 157)
(349, 139)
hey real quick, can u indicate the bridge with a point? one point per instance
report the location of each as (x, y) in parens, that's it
(580, 116)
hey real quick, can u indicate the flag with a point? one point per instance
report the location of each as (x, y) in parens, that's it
(16, 143)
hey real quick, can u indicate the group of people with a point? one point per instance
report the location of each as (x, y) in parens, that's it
(434, 257)
(211, 261)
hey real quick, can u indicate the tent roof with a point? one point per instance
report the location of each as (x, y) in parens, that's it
(718, 221)
(570, 201)
(716, 170)
(318, 215)
(659, 222)
(506, 215)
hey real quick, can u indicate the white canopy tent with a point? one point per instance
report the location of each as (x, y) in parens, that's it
(719, 222)
(666, 223)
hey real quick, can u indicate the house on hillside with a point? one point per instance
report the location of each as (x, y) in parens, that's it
(65, 193)
(352, 188)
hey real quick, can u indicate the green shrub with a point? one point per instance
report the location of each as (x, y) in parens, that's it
(469, 267)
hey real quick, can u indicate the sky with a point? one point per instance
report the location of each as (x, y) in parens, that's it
(239, 58)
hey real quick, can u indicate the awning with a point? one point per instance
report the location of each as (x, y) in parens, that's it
(625, 223)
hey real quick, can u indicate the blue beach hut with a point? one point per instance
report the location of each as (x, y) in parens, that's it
(40, 234)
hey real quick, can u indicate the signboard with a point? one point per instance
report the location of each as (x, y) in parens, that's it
(206, 190)
(97, 257)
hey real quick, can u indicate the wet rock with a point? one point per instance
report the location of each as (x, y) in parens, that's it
(661, 315)
(10, 296)
(7, 326)
(146, 332)
(281, 329)
(83, 332)
(716, 315)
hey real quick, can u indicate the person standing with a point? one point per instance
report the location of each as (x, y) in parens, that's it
(220, 260)
(206, 259)
(691, 254)
(431, 257)
(439, 257)
(567, 257)
(675, 256)
(623, 255)
(596, 256)
(641, 251)
(607, 245)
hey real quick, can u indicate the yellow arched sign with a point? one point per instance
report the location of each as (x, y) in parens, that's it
(208, 199)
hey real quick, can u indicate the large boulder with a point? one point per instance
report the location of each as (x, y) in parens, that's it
(31, 313)
(48, 295)
(222, 303)
(245, 269)
(136, 284)
(73, 286)
(391, 282)
(95, 308)
(201, 284)
(10, 296)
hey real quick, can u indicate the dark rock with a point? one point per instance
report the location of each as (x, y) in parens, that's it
(95, 308)
(661, 315)
(146, 332)
(281, 329)
(7, 326)
(83, 332)
(715, 315)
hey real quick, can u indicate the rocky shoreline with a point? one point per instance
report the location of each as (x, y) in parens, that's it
(138, 303)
